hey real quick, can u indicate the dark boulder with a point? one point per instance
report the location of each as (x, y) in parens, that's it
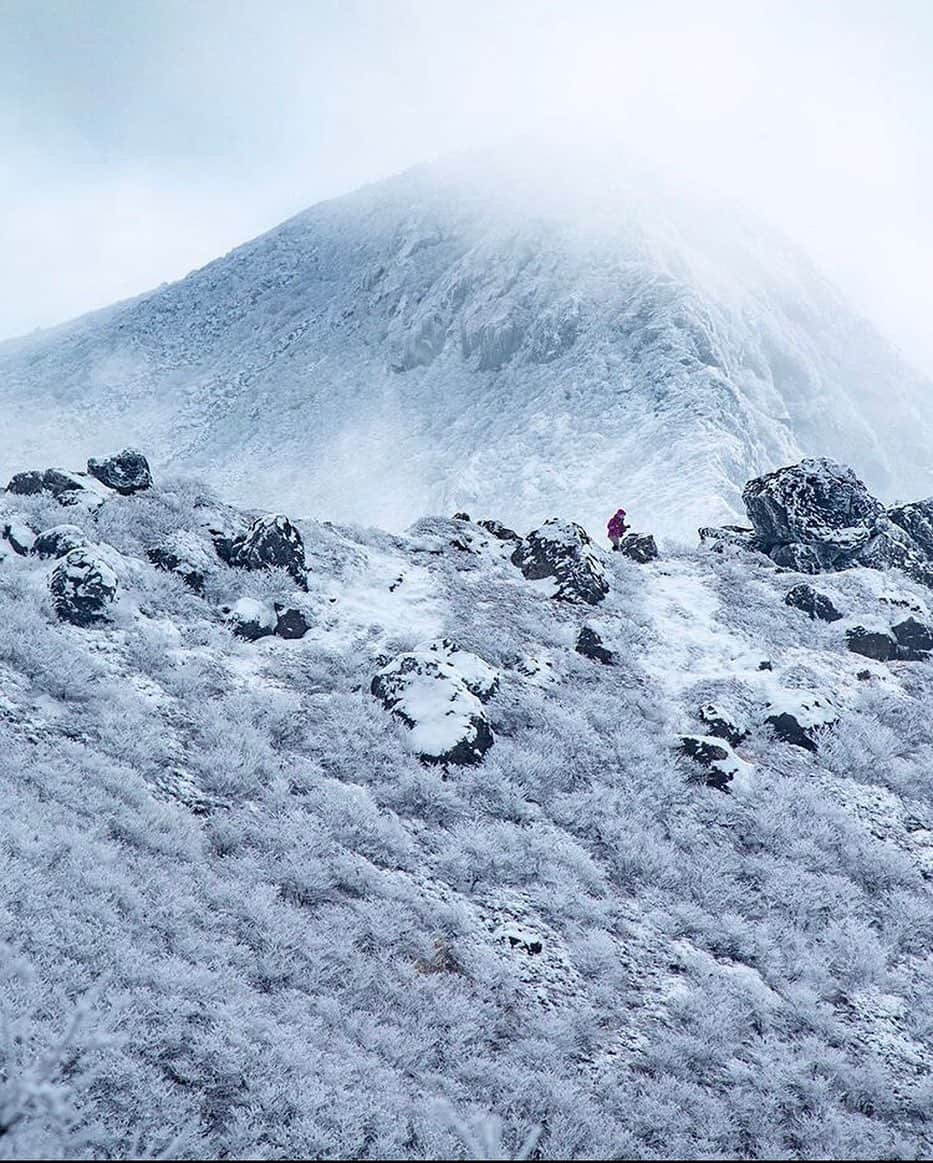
(499, 531)
(289, 622)
(563, 550)
(445, 721)
(83, 586)
(879, 645)
(271, 542)
(590, 645)
(916, 519)
(813, 603)
(914, 640)
(58, 541)
(640, 547)
(67, 488)
(815, 502)
(461, 516)
(723, 724)
(720, 763)
(27, 484)
(127, 472)
(799, 717)
(250, 618)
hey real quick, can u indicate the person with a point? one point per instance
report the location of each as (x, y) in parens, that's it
(617, 528)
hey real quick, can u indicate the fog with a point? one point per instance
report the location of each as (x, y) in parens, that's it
(140, 141)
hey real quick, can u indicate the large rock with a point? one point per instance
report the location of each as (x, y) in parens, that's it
(289, 622)
(20, 536)
(250, 618)
(814, 604)
(82, 586)
(563, 550)
(916, 519)
(816, 502)
(58, 541)
(914, 639)
(798, 717)
(66, 487)
(271, 542)
(640, 547)
(445, 720)
(879, 645)
(127, 472)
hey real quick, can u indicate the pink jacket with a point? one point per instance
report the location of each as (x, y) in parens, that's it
(617, 526)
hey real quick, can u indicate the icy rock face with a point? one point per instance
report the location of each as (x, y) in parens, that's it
(640, 547)
(812, 603)
(433, 698)
(916, 519)
(563, 550)
(58, 541)
(590, 645)
(82, 586)
(271, 542)
(127, 472)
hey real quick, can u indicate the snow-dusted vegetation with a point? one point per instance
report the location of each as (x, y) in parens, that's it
(257, 904)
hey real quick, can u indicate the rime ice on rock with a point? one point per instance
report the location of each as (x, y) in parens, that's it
(271, 542)
(58, 541)
(82, 587)
(563, 550)
(127, 472)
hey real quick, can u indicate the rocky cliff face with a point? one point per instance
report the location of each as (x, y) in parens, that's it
(492, 335)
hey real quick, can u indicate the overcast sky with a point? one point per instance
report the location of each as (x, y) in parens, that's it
(141, 139)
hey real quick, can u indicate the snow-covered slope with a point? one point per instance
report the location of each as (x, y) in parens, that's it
(242, 919)
(519, 336)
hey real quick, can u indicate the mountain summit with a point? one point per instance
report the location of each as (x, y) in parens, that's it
(501, 335)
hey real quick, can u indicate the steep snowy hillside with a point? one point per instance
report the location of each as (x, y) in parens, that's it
(522, 337)
(330, 843)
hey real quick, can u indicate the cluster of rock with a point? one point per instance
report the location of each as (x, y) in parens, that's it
(908, 641)
(439, 694)
(818, 516)
(126, 473)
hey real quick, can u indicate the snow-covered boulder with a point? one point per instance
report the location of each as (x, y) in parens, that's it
(480, 678)
(445, 720)
(590, 645)
(640, 547)
(58, 541)
(127, 472)
(68, 488)
(498, 530)
(725, 771)
(563, 550)
(797, 717)
(816, 502)
(83, 586)
(726, 538)
(914, 639)
(250, 618)
(169, 561)
(812, 603)
(271, 542)
(20, 536)
(186, 554)
(879, 645)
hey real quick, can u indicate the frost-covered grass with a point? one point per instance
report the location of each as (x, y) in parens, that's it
(310, 944)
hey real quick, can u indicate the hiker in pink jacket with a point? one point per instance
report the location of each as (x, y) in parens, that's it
(617, 528)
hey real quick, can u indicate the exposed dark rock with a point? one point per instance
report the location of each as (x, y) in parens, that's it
(813, 603)
(478, 676)
(65, 487)
(446, 721)
(799, 717)
(563, 550)
(166, 559)
(461, 516)
(271, 542)
(58, 541)
(250, 618)
(723, 537)
(723, 724)
(498, 530)
(290, 623)
(127, 472)
(914, 639)
(716, 756)
(82, 586)
(916, 519)
(590, 645)
(803, 558)
(880, 645)
(640, 547)
(20, 536)
(816, 502)
(766, 664)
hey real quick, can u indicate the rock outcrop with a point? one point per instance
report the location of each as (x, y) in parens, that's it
(563, 550)
(127, 472)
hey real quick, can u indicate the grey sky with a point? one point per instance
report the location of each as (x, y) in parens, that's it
(140, 139)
